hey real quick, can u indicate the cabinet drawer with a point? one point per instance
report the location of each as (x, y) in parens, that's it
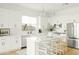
(4, 44)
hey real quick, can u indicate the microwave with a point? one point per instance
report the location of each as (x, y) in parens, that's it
(4, 31)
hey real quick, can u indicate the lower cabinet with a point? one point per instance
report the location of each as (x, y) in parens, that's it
(9, 44)
(4, 44)
(24, 42)
(43, 47)
(50, 46)
(31, 45)
(15, 43)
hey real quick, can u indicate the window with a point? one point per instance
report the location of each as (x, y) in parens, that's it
(29, 20)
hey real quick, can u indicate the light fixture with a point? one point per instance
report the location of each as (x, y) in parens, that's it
(65, 4)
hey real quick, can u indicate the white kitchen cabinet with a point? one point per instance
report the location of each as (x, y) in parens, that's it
(24, 41)
(10, 19)
(38, 46)
(4, 44)
(43, 47)
(50, 45)
(15, 43)
(31, 45)
(9, 44)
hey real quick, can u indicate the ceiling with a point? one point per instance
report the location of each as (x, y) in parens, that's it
(39, 7)
(46, 7)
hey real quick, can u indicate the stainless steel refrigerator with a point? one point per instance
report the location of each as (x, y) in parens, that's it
(73, 35)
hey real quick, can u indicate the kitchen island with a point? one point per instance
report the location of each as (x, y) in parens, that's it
(42, 44)
(45, 45)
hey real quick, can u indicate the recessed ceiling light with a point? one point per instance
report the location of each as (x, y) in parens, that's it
(65, 4)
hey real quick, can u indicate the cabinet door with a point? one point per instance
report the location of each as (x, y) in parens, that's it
(31, 45)
(12, 45)
(7, 44)
(24, 42)
(4, 44)
(18, 42)
(15, 43)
